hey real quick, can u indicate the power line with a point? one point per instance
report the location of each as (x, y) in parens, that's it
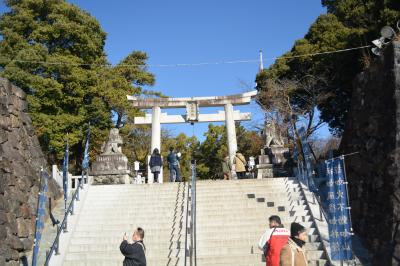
(190, 64)
(321, 53)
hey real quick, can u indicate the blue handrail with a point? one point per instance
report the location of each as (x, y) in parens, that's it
(63, 227)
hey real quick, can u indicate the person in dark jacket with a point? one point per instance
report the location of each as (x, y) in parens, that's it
(173, 165)
(134, 253)
(155, 164)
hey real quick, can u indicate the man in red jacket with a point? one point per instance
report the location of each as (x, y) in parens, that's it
(273, 240)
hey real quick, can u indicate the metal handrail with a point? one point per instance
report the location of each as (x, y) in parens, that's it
(194, 210)
(313, 218)
(190, 247)
(321, 207)
(186, 223)
(63, 227)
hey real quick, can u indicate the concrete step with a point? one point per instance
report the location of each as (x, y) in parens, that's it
(214, 234)
(116, 240)
(320, 262)
(247, 181)
(151, 249)
(253, 259)
(177, 242)
(116, 259)
(133, 203)
(315, 254)
(166, 261)
(204, 221)
(134, 214)
(165, 248)
(202, 195)
(227, 222)
(282, 211)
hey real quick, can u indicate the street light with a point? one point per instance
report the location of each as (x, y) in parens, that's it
(387, 35)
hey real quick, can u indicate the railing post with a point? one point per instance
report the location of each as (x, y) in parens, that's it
(194, 213)
(77, 193)
(47, 255)
(320, 207)
(186, 224)
(190, 245)
(72, 206)
(58, 240)
(64, 226)
(191, 226)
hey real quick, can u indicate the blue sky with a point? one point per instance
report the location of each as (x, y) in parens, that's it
(173, 32)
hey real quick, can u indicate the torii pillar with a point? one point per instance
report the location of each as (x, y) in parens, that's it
(156, 128)
(231, 131)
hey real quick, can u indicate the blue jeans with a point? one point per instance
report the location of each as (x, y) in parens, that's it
(174, 171)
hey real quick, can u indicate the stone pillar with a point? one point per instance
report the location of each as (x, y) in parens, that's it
(231, 131)
(155, 140)
(156, 129)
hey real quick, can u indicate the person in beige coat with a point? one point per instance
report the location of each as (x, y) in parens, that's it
(240, 165)
(293, 254)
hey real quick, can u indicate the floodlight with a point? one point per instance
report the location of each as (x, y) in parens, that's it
(376, 51)
(387, 32)
(379, 42)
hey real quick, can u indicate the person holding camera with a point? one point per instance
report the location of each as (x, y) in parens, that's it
(134, 253)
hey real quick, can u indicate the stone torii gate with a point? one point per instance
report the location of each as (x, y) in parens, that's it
(192, 105)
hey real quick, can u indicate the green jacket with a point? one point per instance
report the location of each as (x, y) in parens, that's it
(226, 166)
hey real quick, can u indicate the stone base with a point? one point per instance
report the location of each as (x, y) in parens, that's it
(271, 171)
(276, 155)
(111, 179)
(265, 171)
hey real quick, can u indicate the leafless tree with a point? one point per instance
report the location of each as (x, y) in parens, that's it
(289, 101)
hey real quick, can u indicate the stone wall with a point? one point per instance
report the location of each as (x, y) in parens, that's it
(20, 161)
(373, 130)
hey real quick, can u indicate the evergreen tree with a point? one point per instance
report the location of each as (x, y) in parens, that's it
(215, 147)
(187, 146)
(50, 49)
(126, 78)
(348, 24)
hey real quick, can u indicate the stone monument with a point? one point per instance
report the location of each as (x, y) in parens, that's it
(111, 167)
(271, 162)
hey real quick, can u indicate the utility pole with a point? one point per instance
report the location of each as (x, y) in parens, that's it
(261, 61)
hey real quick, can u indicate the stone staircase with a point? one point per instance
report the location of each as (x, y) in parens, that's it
(231, 216)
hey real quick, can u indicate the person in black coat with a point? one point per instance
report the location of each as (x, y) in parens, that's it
(155, 164)
(134, 253)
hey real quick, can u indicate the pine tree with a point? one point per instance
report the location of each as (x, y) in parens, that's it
(126, 78)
